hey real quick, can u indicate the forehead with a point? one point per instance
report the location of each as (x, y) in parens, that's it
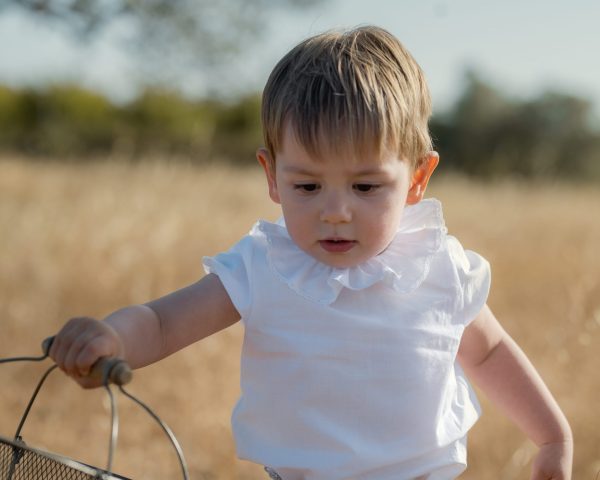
(330, 147)
(295, 157)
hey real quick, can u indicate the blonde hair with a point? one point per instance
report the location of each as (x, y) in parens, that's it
(351, 93)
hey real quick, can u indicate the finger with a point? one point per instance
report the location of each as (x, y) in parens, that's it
(58, 350)
(77, 361)
(538, 474)
(64, 341)
(96, 348)
(87, 382)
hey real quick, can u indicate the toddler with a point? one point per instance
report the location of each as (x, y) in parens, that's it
(363, 318)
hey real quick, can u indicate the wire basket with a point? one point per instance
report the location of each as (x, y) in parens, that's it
(20, 462)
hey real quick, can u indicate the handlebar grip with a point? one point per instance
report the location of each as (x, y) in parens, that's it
(113, 370)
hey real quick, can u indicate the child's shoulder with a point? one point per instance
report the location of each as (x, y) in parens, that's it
(467, 263)
(471, 278)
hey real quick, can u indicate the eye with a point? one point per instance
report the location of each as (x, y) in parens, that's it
(306, 187)
(365, 187)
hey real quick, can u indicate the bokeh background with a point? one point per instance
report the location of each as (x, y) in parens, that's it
(127, 139)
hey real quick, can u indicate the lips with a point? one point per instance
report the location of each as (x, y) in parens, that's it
(337, 245)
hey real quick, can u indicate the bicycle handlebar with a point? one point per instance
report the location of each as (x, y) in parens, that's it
(106, 369)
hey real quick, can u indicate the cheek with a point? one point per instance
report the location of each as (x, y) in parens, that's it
(385, 222)
(296, 220)
(386, 229)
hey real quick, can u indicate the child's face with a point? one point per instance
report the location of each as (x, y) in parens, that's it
(340, 212)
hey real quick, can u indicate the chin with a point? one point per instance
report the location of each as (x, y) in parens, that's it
(340, 262)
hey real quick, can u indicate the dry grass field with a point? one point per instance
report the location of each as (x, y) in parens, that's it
(78, 240)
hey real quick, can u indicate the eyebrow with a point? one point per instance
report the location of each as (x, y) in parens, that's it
(303, 171)
(300, 170)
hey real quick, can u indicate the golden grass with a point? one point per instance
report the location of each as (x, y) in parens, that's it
(84, 240)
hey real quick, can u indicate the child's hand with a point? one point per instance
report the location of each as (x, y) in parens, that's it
(80, 343)
(553, 462)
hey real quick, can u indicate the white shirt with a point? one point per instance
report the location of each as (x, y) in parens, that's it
(352, 373)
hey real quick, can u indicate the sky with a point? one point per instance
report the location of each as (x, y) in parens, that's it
(523, 47)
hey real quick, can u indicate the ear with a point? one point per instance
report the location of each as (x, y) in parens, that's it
(420, 178)
(264, 158)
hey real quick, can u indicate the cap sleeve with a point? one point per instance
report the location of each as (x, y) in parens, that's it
(474, 278)
(232, 268)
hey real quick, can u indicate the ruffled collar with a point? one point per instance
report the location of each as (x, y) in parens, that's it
(403, 266)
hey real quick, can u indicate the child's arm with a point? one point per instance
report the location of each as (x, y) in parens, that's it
(493, 360)
(143, 334)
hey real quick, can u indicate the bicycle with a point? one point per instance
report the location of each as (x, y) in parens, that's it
(19, 461)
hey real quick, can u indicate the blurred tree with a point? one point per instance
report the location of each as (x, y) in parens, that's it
(166, 37)
(488, 134)
(163, 121)
(463, 133)
(74, 124)
(238, 131)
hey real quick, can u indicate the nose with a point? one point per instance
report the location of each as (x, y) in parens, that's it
(336, 208)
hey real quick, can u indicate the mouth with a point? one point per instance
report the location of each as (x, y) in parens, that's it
(337, 245)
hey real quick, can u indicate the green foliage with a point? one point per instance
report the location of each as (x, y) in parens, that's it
(238, 131)
(489, 135)
(72, 123)
(60, 121)
(486, 133)
(164, 121)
